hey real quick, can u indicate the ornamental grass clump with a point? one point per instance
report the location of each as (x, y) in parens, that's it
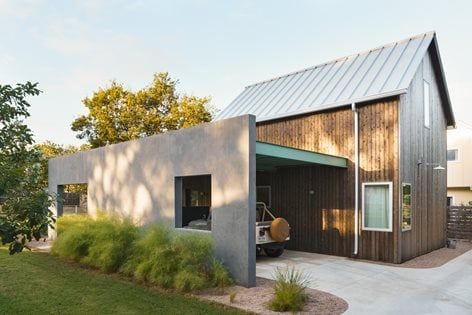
(289, 290)
(103, 243)
(156, 254)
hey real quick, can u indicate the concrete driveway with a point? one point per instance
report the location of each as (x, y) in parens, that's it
(378, 289)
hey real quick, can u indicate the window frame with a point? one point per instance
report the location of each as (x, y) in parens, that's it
(411, 205)
(457, 155)
(390, 206)
(427, 123)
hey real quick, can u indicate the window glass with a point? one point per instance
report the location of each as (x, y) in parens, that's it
(377, 206)
(426, 103)
(263, 194)
(452, 155)
(406, 207)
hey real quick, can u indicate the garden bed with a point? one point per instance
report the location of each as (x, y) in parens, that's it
(256, 299)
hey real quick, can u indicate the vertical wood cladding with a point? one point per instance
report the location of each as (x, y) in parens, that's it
(427, 145)
(378, 147)
(323, 221)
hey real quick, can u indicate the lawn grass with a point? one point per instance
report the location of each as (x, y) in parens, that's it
(38, 283)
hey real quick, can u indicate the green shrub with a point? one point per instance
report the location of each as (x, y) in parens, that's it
(73, 244)
(289, 291)
(154, 254)
(102, 243)
(111, 242)
(220, 276)
(188, 280)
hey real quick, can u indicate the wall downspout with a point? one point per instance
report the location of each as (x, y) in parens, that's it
(356, 179)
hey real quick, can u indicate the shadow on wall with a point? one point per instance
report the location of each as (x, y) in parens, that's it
(136, 179)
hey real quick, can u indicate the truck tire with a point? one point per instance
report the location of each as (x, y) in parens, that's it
(279, 229)
(274, 252)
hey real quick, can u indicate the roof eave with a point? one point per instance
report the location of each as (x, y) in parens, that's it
(334, 105)
(451, 121)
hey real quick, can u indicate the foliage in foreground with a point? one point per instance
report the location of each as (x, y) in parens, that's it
(155, 255)
(52, 286)
(24, 203)
(289, 290)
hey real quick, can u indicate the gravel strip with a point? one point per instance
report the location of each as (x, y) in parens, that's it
(256, 299)
(433, 259)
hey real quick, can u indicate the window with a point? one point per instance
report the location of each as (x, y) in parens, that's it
(453, 155)
(263, 194)
(193, 202)
(377, 206)
(450, 201)
(406, 207)
(426, 103)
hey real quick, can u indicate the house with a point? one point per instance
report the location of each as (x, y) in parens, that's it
(385, 110)
(351, 152)
(459, 165)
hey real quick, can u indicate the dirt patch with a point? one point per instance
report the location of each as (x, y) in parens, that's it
(256, 299)
(433, 259)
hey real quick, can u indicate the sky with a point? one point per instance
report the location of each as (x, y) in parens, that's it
(214, 48)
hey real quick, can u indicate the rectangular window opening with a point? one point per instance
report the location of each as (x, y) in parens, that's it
(193, 202)
(406, 207)
(426, 101)
(377, 206)
(74, 199)
(452, 155)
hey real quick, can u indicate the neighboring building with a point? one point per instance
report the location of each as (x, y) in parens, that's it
(459, 165)
(349, 152)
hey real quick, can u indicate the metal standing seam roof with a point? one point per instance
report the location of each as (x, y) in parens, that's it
(380, 72)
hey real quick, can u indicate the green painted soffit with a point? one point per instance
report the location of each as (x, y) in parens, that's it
(269, 156)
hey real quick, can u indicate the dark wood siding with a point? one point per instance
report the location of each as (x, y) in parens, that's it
(378, 147)
(324, 221)
(428, 145)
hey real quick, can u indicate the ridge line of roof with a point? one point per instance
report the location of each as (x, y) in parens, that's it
(343, 58)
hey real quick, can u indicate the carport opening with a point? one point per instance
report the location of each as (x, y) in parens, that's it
(193, 202)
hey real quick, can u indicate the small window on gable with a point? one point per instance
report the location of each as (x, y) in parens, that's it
(426, 101)
(453, 155)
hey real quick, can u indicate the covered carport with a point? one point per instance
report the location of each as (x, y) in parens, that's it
(298, 185)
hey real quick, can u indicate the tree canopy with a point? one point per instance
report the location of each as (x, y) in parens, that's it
(51, 150)
(116, 114)
(24, 209)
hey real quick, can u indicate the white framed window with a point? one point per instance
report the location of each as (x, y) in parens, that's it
(426, 103)
(377, 206)
(453, 155)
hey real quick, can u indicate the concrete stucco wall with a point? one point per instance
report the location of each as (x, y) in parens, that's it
(137, 179)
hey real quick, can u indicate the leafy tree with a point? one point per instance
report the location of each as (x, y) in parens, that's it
(117, 114)
(24, 210)
(51, 150)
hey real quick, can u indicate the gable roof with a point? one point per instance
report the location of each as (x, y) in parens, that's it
(372, 74)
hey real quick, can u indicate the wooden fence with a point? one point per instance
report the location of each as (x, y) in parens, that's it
(459, 222)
